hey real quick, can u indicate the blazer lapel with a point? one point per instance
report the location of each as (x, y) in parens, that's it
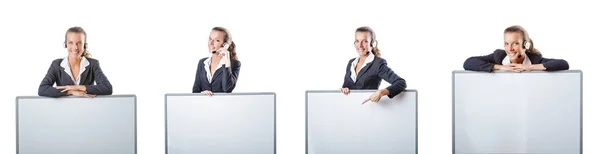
(84, 75)
(217, 74)
(363, 70)
(65, 78)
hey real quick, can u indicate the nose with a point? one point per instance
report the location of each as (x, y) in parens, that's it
(511, 47)
(363, 44)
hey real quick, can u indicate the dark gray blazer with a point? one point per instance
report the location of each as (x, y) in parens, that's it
(93, 73)
(223, 80)
(369, 77)
(487, 62)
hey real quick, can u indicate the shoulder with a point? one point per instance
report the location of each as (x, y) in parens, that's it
(56, 62)
(533, 55)
(201, 61)
(499, 52)
(93, 61)
(379, 60)
(235, 62)
(351, 60)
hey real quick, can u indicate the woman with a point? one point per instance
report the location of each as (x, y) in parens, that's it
(75, 74)
(219, 72)
(367, 70)
(518, 55)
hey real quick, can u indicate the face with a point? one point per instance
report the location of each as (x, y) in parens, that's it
(513, 45)
(215, 40)
(75, 43)
(362, 43)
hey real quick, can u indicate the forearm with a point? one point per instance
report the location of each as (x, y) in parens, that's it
(496, 67)
(537, 67)
(384, 92)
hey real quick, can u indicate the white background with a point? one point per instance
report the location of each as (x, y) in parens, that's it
(151, 48)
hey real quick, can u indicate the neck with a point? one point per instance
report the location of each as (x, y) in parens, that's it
(215, 57)
(363, 57)
(518, 60)
(74, 60)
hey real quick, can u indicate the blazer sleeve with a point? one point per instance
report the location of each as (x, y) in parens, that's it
(197, 88)
(555, 64)
(347, 83)
(480, 63)
(103, 86)
(46, 87)
(397, 83)
(230, 76)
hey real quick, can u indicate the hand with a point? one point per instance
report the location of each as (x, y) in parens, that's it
(225, 55)
(375, 97)
(515, 67)
(223, 52)
(71, 88)
(346, 91)
(79, 93)
(207, 92)
(520, 67)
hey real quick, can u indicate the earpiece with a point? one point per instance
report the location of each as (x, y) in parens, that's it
(527, 44)
(373, 43)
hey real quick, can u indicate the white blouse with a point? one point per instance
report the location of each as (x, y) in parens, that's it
(354, 74)
(207, 67)
(65, 64)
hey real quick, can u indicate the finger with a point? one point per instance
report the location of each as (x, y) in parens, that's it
(60, 87)
(365, 101)
(64, 91)
(516, 70)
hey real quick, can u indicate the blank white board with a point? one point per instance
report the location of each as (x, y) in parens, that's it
(237, 123)
(340, 124)
(75, 125)
(506, 112)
